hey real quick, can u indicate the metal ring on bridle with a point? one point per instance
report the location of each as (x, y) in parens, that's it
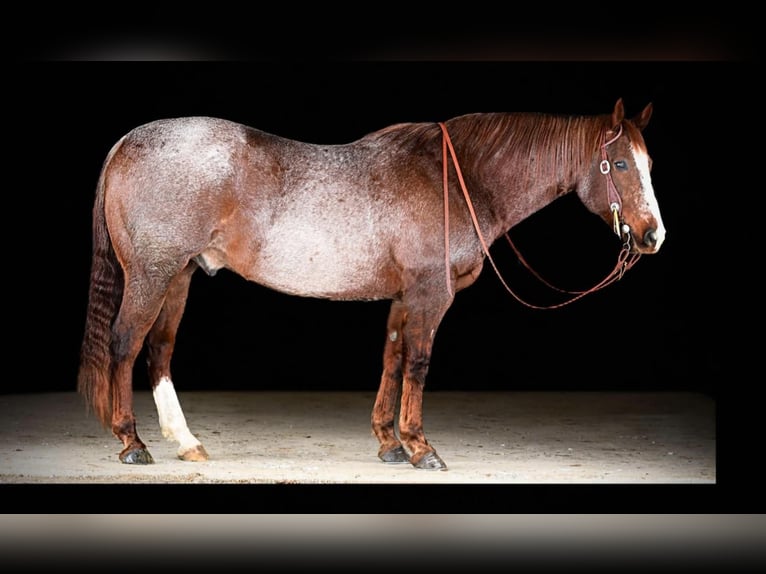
(604, 166)
(614, 206)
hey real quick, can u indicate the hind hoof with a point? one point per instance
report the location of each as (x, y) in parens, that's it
(137, 456)
(395, 456)
(196, 454)
(430, 461)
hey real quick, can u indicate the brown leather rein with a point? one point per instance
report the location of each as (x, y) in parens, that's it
(625, 259)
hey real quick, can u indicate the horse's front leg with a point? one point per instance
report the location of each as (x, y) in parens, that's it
(419, 331)
(384, 411)
(160, 345)
(422, 454)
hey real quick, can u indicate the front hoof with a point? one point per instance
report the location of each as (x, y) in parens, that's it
(136, 456)
(430, 461)
(195, 454)
(394, 456)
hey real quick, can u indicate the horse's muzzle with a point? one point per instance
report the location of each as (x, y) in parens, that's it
(650, 238)
(649, 243)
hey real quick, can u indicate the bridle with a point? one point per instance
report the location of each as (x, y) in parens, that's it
(621, 228)
(625, 259)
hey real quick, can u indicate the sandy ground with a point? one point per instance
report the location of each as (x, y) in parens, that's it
(308, 438)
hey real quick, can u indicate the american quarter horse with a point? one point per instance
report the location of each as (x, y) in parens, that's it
(391, 216)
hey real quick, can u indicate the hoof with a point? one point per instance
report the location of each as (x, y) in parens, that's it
(395, 456)
(196, 454)
(430, 461)
(137, 456)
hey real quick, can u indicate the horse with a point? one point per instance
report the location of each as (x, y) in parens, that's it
(390, 216)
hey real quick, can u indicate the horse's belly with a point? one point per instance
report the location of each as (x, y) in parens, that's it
(314, 262)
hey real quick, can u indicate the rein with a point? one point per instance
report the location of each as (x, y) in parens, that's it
(625, 259)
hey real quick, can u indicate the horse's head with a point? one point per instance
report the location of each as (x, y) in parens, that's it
(620, 189)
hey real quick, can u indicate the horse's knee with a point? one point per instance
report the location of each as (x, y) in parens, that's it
(417, 369)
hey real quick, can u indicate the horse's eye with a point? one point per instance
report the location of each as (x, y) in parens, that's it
(621, 164)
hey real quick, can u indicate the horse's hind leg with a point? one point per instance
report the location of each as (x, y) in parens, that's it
(384, 411)
(160, 344)
(140, 305)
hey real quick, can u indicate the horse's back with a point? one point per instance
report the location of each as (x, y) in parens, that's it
(335, 221)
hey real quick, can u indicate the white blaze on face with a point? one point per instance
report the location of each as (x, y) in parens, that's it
(172, 420)
(650, 208)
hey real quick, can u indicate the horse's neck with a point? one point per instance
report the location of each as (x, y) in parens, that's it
(510, 195)
(515, 198)
(512, 184)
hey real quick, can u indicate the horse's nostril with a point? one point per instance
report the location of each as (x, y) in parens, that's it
(650, 237)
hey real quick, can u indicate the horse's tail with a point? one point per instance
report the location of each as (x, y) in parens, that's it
(104, 296)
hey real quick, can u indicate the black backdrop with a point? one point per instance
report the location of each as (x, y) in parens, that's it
(673, 323)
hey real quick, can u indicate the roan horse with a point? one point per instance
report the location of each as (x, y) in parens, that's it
(386, 217)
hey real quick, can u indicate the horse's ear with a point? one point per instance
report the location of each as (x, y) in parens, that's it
(643, 118)
(618, 114)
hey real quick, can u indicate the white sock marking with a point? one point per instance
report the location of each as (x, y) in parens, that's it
(172, 420)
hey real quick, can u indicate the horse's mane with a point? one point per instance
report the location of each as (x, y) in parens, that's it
(555, 147)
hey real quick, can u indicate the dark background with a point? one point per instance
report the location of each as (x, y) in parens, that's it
(656, 329)
(685, 319)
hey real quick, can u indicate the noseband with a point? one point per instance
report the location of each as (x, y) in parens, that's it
(625, 259)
